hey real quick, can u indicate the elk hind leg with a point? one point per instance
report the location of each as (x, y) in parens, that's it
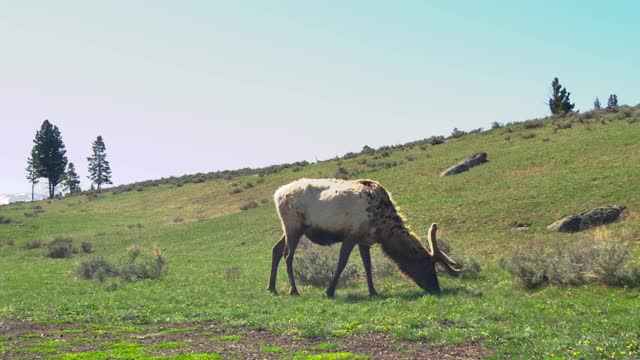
(278, 251)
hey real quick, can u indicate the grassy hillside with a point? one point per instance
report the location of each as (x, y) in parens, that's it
(220, 256)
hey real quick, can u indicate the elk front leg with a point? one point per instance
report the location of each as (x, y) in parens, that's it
(345, 251)
(366, 261)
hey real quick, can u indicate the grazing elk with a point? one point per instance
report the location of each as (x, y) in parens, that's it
(359, 213)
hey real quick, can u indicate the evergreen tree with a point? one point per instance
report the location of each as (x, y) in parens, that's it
(613, 101)
(32, 171)
(596, 104)
(99, 170)
(49, 155)
(559, 103)
(72, 180)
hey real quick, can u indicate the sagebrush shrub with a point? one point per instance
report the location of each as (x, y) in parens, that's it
(86, 247)
(135, 268)
(603, 260)
(470, 266)
(249, 205)
(61, 248)
(5, 220)
(133, 251)
(97, 267)
(532, 124)
(528, 266)
(35, 244)
(316, 265)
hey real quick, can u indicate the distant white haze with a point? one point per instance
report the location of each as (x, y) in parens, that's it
(184, 87)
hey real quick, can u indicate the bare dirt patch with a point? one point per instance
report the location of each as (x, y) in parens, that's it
(19, 339)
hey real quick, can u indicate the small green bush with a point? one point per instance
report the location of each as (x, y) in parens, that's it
(562, 125)
(604, 260)
(316, 265)
(250, 205)
(529, 136)
(86, 247)
(236, 191)
(135, 268)
(249, 185)
(9, 242)
(528, 266)
(435, 140)
(470, 266)
(61, 248)
(35, 244)
(133, 251)
(532, 124)
(5, 220)
(456, 133)
(97, 267)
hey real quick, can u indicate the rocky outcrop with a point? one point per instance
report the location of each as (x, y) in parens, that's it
(466, 164)
(587, 219)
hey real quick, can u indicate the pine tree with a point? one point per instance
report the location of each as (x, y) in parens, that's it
(32, 171)
(49, 155)
(72, 180)
(99, 170)
(559, 103)
(612, 102)
(596, 104)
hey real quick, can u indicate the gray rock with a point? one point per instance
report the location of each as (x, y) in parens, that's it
(455, 169)
(466, 164)
(587, 219)
(476, 159)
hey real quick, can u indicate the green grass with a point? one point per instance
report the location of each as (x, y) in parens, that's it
(129, 351)
(230, 338)
(325, 347)
(170, 345)
(330, 356)
(526, 180)
(272, 349)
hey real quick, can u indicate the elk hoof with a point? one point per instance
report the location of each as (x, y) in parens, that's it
(273, 291)
(294, 293)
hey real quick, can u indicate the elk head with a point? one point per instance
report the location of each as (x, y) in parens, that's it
(430, 279)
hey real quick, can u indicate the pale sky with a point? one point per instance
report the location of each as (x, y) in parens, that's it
(195, 86)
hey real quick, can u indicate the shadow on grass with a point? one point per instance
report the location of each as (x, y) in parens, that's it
(412, 295)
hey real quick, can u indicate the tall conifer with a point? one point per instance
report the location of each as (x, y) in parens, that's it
(99, 170)
(32, 171)
(559, 103)
(49, 155)
(72, 180)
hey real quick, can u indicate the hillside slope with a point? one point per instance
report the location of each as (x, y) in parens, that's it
(219, 255)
